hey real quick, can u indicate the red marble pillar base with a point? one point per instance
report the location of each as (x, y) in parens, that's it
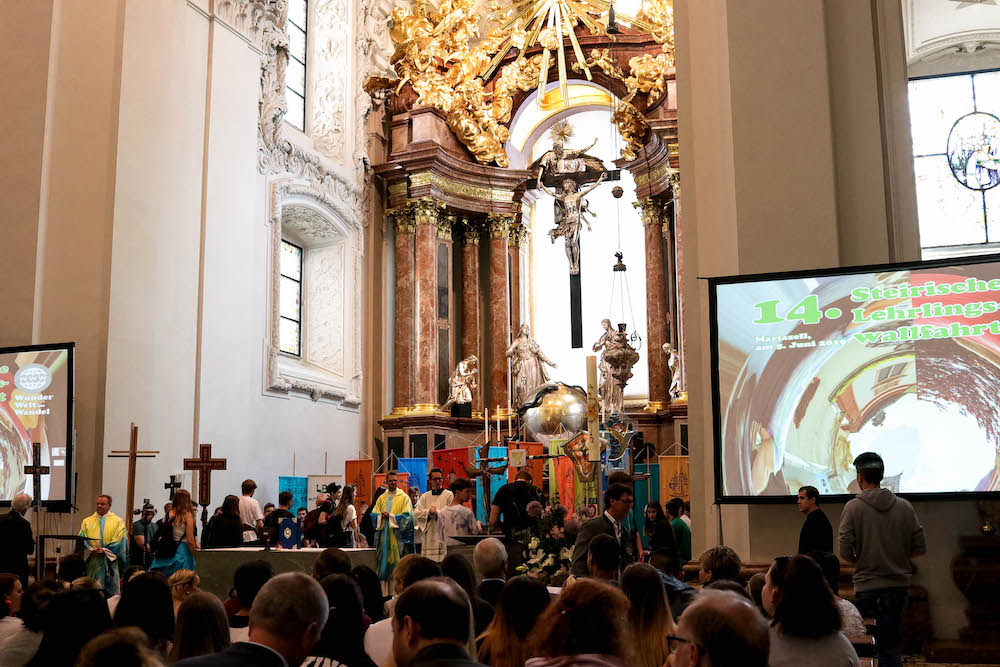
(470, 305)
(425, 216)
(499, 316)
(403, 333)
(656, 304)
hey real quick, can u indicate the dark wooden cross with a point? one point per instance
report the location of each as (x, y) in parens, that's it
(483, 470)
(172, 486)
(204, 464)
(132, 454)
(36, 471)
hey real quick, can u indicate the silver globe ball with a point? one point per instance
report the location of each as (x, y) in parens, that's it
(562, 410)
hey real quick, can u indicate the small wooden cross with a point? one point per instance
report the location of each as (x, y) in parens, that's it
(483, 470)
(132, 454)
(36, 471)
(204, 464)
(172, 486)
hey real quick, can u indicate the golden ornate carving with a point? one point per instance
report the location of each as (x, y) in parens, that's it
(630, 121)
(461, 189)
(632, 126)
(499, 225)
(644, 178)
(398, 188)
(675, 184)
(650, 210)
(471, 232)
(426, 211)
(403, 219)
(518, 234)
(445, 226)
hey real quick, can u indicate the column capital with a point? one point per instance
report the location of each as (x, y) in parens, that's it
(470, 232)
(675, 183)
(445, 226)
(499, 225)
(518, 234)
(426, 210)
(651, 210)
(402, 218)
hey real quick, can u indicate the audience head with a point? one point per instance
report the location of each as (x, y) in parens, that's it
(415, 568)
(830, 565)
(462, 489)
(146, 603)
(719, 563)
(654, 515)
(10, 595)
(589, 617)
(184, 583)
(72, 567)
(21, 503)
(333, 491)
(523, 475)
(870, 469)
(798, 598)
(249, 578)
(35, 603)
(720, 629)
(436, 611)
(321, 498)
(121, 647)
(331, 561)
(603, 556)
(347, 497)
(343, 635)
(666, 561)
(288, 615)
(231, 506)
(268, 508)
(457, 567)
(674, 509)
(86, 584)
(808, 499)
(371, 592)
(72, 619)
(167, 508)
(490, 558)
(202, 627)
(414, 494)
(521, 602)
(729, 585)
(248, 487)
(130, 571)
(301, 513)
(618, 501)
(649, 616)
(755, 587)
(182, 504)
(621, 477)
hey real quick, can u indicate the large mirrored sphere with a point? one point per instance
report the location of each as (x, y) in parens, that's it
(560, 410)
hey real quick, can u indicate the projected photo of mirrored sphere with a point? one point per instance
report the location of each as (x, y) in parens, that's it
(813, 372)
(974, 151)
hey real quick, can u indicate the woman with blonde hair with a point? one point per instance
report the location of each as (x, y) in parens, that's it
(181, 521)
(504, 642)
(183, 584)
(649, 614)
(585, 626)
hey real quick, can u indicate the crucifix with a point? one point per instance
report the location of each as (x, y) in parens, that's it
(172, 486)
(483, 470)
(36, 470)
(132, 454)
(204, 464)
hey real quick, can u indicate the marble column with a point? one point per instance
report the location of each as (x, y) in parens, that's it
(499, 317)
(403, 335)
(517, 232)
(425, 218)
(470, 305)
(656, 303)
(678, 273)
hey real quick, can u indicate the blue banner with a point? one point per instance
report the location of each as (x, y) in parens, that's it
(299, 486)
(496, 481)
(418, 472)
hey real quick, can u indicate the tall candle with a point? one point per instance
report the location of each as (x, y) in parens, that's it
(486, 424)
(498, 423)
(509, 414)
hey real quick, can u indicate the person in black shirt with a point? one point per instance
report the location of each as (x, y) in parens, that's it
(226, 529)
(16, 540)
(511, 501)
(272, 520)
(817, 533)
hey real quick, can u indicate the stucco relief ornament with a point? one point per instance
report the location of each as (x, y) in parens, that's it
(462, 382)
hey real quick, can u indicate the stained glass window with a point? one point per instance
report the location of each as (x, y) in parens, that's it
(295, 71)
(290, 299)
(956, 160)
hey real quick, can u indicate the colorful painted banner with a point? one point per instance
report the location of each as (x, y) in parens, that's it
(496, 481)
(452, 463)
(675, 481)
(299, 488)
(535, 466)
(318, 484)
(562, 479)
(358, 472)
(417, 470)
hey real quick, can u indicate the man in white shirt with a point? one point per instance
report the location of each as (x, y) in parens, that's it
(425, 516)
(250, 512)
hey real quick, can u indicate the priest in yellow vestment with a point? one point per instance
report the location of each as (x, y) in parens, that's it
(107, 546)
(394, 527)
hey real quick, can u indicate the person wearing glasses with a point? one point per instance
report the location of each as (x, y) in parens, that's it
(617, 504)
(719, 629)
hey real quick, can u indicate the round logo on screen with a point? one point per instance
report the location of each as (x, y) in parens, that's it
(33, 378)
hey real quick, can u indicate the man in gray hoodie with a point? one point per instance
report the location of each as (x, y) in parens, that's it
(880, 533)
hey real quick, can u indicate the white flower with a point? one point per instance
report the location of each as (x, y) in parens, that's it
(533, 544)
(549, 561)
(566, 553)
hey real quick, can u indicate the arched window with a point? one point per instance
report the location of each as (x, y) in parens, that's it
(290, 299)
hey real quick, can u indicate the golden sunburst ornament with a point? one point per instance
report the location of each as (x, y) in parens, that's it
(561, 132)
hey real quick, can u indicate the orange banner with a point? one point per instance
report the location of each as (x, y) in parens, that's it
(404, 481)
(675, 481)
(358, 473)
(561, 476)
(535, 466)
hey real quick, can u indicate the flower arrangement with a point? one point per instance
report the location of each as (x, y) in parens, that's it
(549, 545)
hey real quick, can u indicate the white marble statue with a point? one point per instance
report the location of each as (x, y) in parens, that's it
(527, 366)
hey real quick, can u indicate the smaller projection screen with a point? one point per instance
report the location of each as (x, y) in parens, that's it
(812, 369)
(36, 405)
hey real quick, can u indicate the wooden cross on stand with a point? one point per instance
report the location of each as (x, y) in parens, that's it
(483, 470)
(132, 454)
(36, 470)
(204, 464)
(172, 486)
